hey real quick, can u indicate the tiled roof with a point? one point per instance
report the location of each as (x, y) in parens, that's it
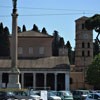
(83, 17)
(33, 34)
(60, 62)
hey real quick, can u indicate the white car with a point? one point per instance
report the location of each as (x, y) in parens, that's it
(93, 96)
(52, 96)
(34, 94)
(65, 95)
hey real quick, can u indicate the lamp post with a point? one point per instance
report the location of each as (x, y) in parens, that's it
(14, 72)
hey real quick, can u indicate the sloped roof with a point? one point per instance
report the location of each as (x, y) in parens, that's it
(83, 17)
(32, 34)
(61, 62)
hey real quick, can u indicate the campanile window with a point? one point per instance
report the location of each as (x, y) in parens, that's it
(83, 53)
(88, 45)
(83, 45)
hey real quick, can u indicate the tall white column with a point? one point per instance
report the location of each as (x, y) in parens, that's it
(34, 81)
(45, 81)
(14, 72)
(55, 81)
(0, 80)
(67, 86)
(22, 80)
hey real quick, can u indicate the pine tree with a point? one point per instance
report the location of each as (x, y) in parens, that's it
(4, 41)
(44, 31)
(35, 28)
(68, 45)
(61, 42)
(23, 28)
(19, 29)
(55, 44)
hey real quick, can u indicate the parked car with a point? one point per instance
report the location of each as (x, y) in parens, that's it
(80, 94)
(22, 95)
(93, 96)
(65, 95)
(34, 94)
(4, 95)
(52, 95)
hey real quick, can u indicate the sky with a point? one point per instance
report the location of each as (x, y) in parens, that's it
(59, 15)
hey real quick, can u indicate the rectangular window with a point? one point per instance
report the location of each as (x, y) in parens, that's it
(83, 26)
(83, 45)
(83, 53)
(20, 50)
(30, 50)
(88, 45)
(41, 50)
(88, 53)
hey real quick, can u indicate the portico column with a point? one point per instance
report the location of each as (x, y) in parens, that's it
(22, 78)
(55, 81)
(45, 81)
(34, 81)
(67, 81)
(0, 80)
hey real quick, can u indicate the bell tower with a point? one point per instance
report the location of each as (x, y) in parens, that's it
(83, 44)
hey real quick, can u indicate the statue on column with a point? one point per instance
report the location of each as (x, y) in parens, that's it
(14, 4)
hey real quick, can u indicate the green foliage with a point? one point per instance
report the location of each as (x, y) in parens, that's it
(55, 44)
(23, 28)
(95, 48)
(44, 31)
(94, 23)
(19, 29)
(61, 42)
(68, 45)
(4, 41)
(35, 28)
(93, 72)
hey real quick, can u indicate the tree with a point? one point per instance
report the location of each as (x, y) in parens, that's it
(61, 42)
(68, 45)
(1, 39)
(55, 44)
(44, 31)
(19, 29)
(94, 23)
(93, 72)
(1, 28)
(95, 48)
(4, 41)
(23, 28)
(35, 28)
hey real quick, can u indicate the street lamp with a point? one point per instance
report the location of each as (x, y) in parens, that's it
(14, 72)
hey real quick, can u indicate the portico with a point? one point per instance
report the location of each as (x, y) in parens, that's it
(54, 76)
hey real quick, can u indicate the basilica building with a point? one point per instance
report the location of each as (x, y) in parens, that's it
(38, 68)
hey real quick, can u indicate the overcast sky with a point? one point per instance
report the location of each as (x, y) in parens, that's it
(57, 15)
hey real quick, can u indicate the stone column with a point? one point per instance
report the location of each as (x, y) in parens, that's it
(67, 82)
(0, 80)
(22, 78)
(34, 81)
(45, 81)
(14, 72)
(55, 81)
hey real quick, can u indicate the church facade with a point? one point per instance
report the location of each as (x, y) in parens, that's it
(38, 68)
